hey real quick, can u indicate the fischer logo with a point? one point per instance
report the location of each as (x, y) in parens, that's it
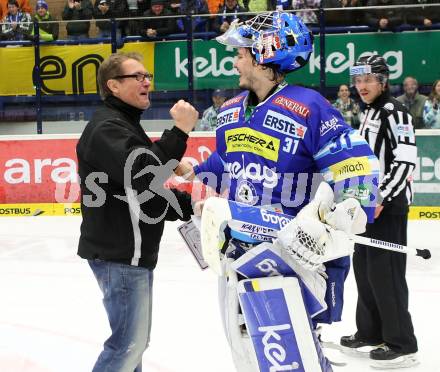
(337, 62)
(274, 218)
(268, 266)
(204, 66)
(253, 172)
(273, 351)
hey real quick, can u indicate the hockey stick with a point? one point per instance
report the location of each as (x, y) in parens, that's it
(218, 212)
(424, 253)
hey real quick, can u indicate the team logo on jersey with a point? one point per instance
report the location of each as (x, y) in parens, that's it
(232, 101)
(291, 105)
(349, 168)
(249, 140)
(361, 193)
(254, 172)
(388, 106)
(228, 117)
(246, 193)
(283, 124)
(328, 125)
(404, 130)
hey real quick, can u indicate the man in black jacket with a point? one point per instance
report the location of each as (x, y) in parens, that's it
(124, 203)
(382, 317)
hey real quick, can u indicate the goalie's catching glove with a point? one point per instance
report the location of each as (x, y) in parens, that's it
(321, 230)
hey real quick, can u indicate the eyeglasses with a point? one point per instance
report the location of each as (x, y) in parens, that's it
(139, 76)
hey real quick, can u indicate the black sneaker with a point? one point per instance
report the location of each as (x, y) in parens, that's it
(356, 347)
(386, 358)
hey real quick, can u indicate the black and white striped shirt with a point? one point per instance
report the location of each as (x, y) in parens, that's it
(387, 126)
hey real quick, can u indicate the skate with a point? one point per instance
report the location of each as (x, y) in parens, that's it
(385, 358)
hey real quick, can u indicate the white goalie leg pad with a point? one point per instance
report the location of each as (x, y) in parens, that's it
(269, 259)
(215, 216)
(279, 326)
(242, 350)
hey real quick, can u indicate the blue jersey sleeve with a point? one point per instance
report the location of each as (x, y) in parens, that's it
(212, 172)
(345, 159)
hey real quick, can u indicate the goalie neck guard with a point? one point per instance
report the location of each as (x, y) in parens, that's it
(275, 38)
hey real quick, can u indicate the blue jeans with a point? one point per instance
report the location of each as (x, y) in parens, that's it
(127, 299)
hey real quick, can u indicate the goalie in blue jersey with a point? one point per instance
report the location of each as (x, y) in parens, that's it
(275, 143)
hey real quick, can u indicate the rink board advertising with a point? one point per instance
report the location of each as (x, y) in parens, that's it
(39, 176)
(71, 69)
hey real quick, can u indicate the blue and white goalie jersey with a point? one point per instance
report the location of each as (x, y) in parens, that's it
(280, 153)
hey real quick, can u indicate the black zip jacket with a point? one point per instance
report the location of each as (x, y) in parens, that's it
(123, 201)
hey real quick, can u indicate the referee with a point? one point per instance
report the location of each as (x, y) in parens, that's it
(382, 318)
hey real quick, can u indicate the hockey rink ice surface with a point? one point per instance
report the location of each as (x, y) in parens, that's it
(52, 318)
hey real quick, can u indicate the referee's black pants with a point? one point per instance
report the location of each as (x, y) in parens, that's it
(382, 309)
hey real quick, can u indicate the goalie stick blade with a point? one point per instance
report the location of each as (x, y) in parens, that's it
(215, 216)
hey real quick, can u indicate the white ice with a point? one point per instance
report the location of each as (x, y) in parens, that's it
(52, 318)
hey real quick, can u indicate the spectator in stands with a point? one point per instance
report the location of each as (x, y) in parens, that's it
(384, 19)
(209, 117)
(157, 26)
(256, 6)
(200, 24)
(175, 6)
(136, 8)
(413, 101)
(342, 17)
(425, 16)
(431, 111)
(304, 7)
(17, 25)
(23, 5)
(78, 10)
(347, 106)
(104, 10)
(47, 31)
(227, 14)
(214, 5)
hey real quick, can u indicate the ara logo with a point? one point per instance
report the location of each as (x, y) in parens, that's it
(273, 348)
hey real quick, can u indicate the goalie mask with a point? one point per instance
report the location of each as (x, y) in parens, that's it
(370, 65)
(275, 38)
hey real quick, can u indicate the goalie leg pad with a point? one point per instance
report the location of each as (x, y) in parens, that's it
(242, 349)
(269, 259)
(280, 330)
